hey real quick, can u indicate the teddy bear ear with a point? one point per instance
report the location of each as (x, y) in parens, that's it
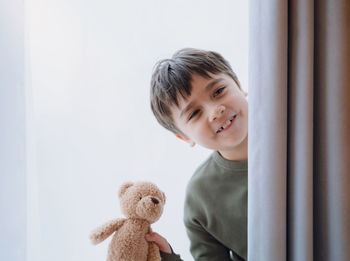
(164, 197)
(124, 187)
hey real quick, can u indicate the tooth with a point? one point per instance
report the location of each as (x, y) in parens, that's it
(227, 123)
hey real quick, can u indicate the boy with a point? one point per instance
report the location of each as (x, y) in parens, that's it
(198, 97)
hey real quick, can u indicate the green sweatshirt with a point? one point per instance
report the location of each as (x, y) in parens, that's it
(216, 210)
(215, 213)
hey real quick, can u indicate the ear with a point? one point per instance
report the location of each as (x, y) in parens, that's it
(124, 187)
(164, 197)
(189, 141)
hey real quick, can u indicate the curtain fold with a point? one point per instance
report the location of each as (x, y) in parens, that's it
(299, 128)
(267, 131)
(332, 131)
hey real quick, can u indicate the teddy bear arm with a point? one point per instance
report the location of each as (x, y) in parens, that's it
(105, 230)
(153, 253)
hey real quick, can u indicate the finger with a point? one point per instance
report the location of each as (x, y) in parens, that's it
(160, 241)
(154, 237)
(154, 234)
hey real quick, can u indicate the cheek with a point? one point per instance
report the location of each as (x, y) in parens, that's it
(245, 107)
(240, 103)
(193, 132)
(203, 132)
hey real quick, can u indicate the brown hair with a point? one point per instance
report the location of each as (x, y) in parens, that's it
(172, 77)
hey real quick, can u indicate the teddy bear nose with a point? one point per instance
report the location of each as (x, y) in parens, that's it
(155, 201)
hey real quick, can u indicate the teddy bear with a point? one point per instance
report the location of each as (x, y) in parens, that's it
(142, 204)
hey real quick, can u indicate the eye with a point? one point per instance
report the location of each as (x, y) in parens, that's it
(193, 114)
(219, 91)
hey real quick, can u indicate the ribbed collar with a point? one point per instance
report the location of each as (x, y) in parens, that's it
(236, 165)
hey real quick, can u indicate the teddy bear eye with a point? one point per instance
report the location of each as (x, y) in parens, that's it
(140, 198)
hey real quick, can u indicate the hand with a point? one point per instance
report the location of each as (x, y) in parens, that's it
(160, 241)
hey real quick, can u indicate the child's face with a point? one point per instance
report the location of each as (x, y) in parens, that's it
(215, 115)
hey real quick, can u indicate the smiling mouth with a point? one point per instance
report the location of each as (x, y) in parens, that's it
(226, 124)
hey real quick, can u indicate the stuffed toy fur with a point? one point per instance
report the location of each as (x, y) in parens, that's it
(142, 204)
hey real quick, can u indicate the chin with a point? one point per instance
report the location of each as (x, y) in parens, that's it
(237, 141)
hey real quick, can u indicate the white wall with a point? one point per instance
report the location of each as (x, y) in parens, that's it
(13, 188)
(90, 67)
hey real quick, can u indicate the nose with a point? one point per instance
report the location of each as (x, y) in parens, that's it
(155, 201)
(216, 112)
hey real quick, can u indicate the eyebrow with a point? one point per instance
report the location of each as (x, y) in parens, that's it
(212, 83)
(207, 88)
(187, 108)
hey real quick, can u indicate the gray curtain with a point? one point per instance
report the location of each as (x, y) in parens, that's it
(299, 130)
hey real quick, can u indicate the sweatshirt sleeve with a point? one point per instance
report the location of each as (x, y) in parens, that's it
(204, 247)
(170, 257)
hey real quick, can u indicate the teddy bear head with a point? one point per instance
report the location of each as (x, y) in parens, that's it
(141, 200)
